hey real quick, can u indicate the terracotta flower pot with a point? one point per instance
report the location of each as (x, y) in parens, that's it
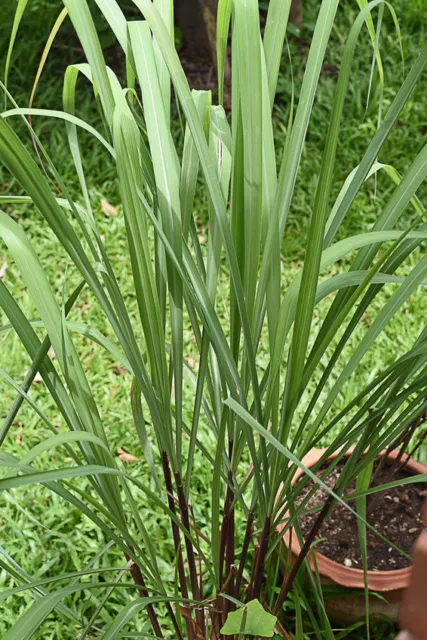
(413, 613)
(390, 585)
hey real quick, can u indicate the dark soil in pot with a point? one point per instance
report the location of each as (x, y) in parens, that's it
(395, 513)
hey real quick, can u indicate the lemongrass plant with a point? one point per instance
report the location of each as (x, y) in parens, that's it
(259, 416)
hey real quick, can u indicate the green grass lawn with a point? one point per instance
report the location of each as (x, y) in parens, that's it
(44, 535)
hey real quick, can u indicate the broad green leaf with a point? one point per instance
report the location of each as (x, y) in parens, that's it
(258, 622)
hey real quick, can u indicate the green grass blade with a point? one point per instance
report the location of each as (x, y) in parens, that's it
(293, 149)
(167, 179)
(376, 143)
(373, 36)
(362, 483)
(247, 48)
(54, 475)
(126, 136)
(166, 12)
(274, 38)
(56, 390)
(117, 21)
(26, 397)
(317, 224)
(209, 170)
(52, 35)
(62, 439)
(220, 144)
(391, 213)
(314, 64)
(222, 29)
(35, 279)
(20, 9)
(17, 159)
(68, 101)
(67, 117)
(18, 573)
(190, 163)
(82, 20)
(29, 623)
(127, 613)
(139, 422)
(385, 314)
(45, 581)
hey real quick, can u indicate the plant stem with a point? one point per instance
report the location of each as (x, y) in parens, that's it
(243, 625)
(183, 507)
(136, 574)
(260, 561)
(224, 533)
(288, 581)
(230, 556)
(177, 544)
(244, 554)
(226, 547)
(196, 531)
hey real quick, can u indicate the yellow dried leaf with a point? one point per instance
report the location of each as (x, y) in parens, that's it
(108, 210)
(126, 457)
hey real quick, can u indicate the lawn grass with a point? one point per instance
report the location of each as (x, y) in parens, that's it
(47, 537)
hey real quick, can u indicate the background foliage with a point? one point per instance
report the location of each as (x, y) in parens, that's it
(56, 537)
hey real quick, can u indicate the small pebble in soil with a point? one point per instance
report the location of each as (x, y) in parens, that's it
(348, 562)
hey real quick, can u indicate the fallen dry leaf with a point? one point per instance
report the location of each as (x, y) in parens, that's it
(119, 370)
(3, 270)
(37, 377)
(126, 457)
(108, 210)
(193, 364)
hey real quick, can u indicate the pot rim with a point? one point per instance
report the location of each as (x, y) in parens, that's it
(350, 577)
